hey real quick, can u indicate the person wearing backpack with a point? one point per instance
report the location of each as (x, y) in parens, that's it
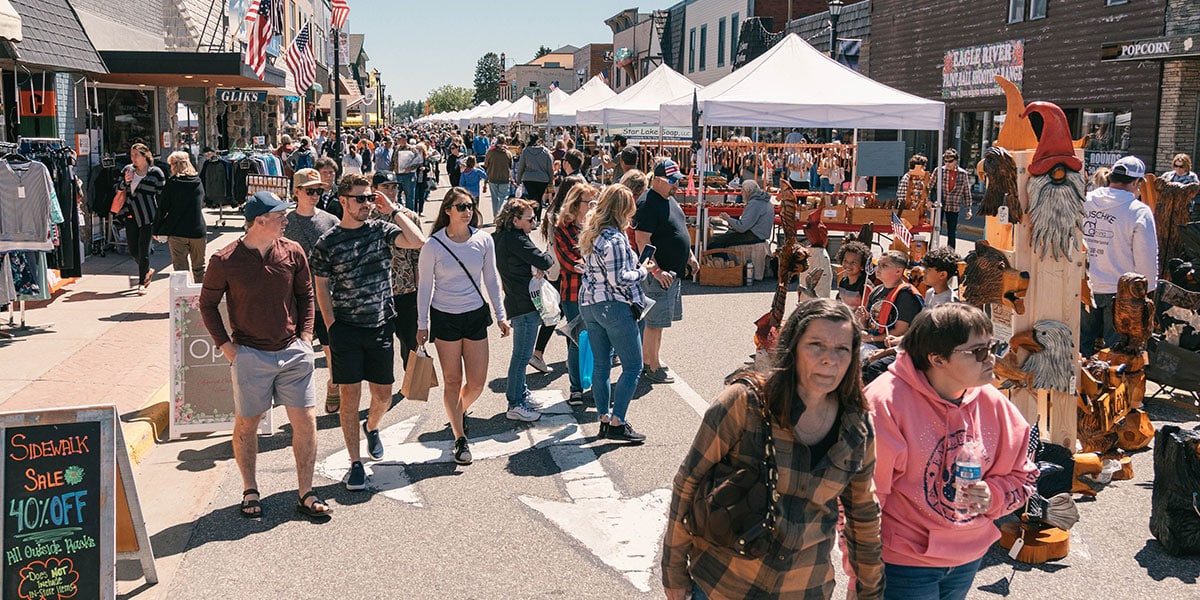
(304, 157)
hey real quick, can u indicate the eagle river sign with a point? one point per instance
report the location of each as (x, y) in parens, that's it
(623, 532)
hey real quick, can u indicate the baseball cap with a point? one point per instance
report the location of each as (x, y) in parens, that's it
(1130, 166)
(262, 203)
(382, 177)
(669, 170)
(307, 178)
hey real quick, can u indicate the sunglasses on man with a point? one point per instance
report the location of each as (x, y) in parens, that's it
(981, 353)
(314, 191)
(1179, 166)
(360, 198)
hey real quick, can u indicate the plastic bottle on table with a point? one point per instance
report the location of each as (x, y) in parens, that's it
(749, 272)
(968, 470)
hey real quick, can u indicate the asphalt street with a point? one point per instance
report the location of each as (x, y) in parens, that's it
(546, 511)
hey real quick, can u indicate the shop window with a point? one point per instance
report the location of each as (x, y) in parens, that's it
(692, 50)
(721, 42)
(128, 119)
(1016, 11)
(187, 136)
(733, 37)
(703, 47)
(1037, 9)
(1108, 135)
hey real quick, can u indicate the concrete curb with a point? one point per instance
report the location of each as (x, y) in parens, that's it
(144, 428)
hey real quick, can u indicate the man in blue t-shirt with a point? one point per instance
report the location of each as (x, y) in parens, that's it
(351, 267)
(659, 221)
(480, 146)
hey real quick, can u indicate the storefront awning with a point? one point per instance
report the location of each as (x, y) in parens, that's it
(10, 22)
(186, 69)
(51, 38)
(351, 101)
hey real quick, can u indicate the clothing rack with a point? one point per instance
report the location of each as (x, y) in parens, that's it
(33, 149)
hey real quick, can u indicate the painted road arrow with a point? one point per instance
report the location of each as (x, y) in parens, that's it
(622, 532)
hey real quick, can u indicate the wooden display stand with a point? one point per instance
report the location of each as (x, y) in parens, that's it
(1054, 293)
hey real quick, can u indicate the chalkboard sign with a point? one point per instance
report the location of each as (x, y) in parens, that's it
(201, 380)
(58, 529)
(881, 159)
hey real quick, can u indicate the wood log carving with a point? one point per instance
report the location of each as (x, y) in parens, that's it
(989, 278)
(1169, 201)
(1000, 171)
(1056, 187)
(1133, 314)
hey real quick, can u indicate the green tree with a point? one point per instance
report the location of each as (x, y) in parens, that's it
(487, 79)
(450, 97)
(409, 108)
(542, 51)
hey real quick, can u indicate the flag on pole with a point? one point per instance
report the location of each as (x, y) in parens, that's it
(301, 61)
(900, 231)
(260, 28)
(341, 12)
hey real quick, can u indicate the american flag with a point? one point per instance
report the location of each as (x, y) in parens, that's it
(900, 231)
(260, 28)
(1035, 442)
(300, 60)
(341, 12)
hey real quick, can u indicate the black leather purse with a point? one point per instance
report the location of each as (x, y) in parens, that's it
(735, 506)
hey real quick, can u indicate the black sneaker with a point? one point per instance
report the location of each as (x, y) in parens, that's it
(625, 433)
(374, 444)
(603, 429)
(462, 454)
(356, 479)
(575, 399)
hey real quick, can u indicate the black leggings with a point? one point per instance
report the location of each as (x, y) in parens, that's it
(543, 338)
(138, 239)
(534, 190)
(951, 219)
(405, 323)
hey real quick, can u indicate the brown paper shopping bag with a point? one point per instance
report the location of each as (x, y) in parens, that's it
(419, 376)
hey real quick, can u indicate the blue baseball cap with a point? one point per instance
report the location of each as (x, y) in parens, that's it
(262, 203)
(668, 170)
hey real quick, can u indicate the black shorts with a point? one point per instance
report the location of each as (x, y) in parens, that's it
(362, 353)
(450, 327)
(319, 330)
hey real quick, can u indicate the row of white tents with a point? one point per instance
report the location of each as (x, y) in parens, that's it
(790, 85)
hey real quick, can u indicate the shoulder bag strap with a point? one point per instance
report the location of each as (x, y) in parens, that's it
(768, 466)
(464, 267)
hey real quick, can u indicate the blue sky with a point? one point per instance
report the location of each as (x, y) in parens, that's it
(419, 45)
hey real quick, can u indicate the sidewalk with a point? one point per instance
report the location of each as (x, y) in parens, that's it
(104, 344)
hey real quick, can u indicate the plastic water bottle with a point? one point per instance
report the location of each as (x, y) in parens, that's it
(968, 470)
(585, 360)
(749, 272)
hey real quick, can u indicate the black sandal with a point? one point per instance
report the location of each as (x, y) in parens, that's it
(251, 509)
(309, 511)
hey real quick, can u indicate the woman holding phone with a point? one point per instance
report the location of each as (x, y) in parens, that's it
(611, 301)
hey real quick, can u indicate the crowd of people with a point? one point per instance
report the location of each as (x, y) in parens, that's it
(872, 389)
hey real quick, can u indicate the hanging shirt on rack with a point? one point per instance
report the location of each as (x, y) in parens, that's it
(26, 196)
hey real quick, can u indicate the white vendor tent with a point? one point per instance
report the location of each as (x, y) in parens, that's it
(490, 114)
(796, 85)
(521, 111)
(592, 92)
(640, 103)
(464, 119)
(557, 96)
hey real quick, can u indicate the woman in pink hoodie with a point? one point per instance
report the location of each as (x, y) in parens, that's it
(936, 400)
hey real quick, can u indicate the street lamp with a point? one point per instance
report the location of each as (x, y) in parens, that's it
(835, 13)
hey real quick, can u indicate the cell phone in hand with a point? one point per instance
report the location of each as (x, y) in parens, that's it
(647, 253)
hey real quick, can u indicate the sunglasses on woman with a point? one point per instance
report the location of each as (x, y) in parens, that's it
(464, 207)
(1180, 166)
(981, 353)
(360, 198)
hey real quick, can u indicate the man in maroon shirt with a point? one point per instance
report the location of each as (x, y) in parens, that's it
(265, 280)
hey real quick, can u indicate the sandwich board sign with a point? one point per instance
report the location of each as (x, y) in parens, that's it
(70, 504)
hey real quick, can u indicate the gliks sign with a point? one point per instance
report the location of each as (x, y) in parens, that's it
(241, 96)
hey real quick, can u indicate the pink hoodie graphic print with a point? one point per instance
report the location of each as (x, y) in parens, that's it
(918, 436)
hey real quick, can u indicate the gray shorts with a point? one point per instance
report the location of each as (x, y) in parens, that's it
(262, 379)
(668, 306)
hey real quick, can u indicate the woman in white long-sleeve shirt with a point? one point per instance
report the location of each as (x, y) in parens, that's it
(456, 261)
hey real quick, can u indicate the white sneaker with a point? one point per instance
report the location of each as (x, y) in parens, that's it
(534, 404)
(521, 413)
(540, 365)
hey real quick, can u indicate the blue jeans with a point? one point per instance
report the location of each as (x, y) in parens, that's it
(611, 327)
(499, 196)
(1097, 324)
(697, 593)
(929, 583)
(525, 329)
(408, 185)
(570, 310)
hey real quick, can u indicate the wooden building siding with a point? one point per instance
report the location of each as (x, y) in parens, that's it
(1061, 62)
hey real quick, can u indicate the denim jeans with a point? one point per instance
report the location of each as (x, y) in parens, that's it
(570, 310)
(408, 185)
(611, 327)
(524, 332)
(950, 218)
(499, 196)
(1097, 324)
(929, 583)
(697, 593)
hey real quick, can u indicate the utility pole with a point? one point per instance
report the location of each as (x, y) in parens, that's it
(337, 98)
